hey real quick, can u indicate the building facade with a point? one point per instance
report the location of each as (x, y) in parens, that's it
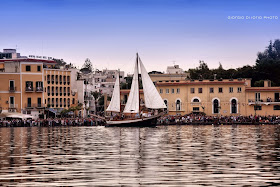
(230, 97)
(24, 86)
(219, 97)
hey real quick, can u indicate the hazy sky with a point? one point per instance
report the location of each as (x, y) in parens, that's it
(164, 32)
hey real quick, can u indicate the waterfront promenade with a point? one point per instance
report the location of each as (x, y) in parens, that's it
(165, 120)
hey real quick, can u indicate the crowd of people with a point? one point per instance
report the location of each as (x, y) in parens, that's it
(165, 120)
(51, 122)
(202, 119)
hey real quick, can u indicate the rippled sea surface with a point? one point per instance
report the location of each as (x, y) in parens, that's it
(162, 156)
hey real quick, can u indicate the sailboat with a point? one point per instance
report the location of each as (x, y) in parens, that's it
(151, 96)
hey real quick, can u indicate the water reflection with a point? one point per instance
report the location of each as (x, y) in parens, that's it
(167, 155)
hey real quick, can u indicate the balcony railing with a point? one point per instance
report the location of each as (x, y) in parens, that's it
(12, 89)
(29, 89)
(39, 89)
(12, 106)
(264, 102)
(29, 105)
(40, 105)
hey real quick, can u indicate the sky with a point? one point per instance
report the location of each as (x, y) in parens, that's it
(163, 32)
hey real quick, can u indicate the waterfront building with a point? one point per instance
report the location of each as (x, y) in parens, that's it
(30, 86)
(217, 97)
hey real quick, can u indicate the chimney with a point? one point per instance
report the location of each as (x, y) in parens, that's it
(266, 83)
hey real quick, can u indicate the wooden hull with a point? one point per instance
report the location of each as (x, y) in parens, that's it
(141, 122)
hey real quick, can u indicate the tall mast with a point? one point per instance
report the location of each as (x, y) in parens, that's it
(137, 62)
(120, 91)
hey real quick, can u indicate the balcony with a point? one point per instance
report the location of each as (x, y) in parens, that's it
(29, 105)
(29, 89)
(39, 89)
(13, 106)
(40, 105)
(12, 89)
(264, 102)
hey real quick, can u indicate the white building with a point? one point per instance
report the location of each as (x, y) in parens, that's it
(174, 70)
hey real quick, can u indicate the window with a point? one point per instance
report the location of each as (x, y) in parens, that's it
(258, 96)
(166, 102)
(12, 102)
(178, 105)
(192, 90)
(68, 102)
(216, 106)
(27, 68)
(73, 101)
(230, 89)
(29, 102)
(68, 92)
(172, 90)
(276, 107)
(276, 97)
(39, 86)
(12, 85)
(56, 79)
(233, 106)
(167, 91)
(195, 109)
(220, 90)
(211, 90)
(38, 68)
(160, 90)
(199, 90)
(196, 100)
(52, 102)
(239, 89)
(64, 102)
(178, 90)
(64, 91)
(52, 91)
(258, 107)
(39, 102)
(29, 86)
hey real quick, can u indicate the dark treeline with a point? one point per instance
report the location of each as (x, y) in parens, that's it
(267, 67)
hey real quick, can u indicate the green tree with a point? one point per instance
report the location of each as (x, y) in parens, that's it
(268, 63)
(87, 66)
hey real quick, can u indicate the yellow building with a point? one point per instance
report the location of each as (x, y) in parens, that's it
(25, 87)
(217, 97)
(58, 92)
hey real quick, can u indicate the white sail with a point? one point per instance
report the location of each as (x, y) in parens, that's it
(152, 98)
(132, 105)
(114, 105)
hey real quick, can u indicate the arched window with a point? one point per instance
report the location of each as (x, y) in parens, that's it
(166, 102)
(196, 100)
(216, 106)
(178, 105)
(233, 104)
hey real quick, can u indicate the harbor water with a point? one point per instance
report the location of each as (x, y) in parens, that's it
(190, 155)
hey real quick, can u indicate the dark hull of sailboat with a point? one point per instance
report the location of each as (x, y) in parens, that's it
(141, 122)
